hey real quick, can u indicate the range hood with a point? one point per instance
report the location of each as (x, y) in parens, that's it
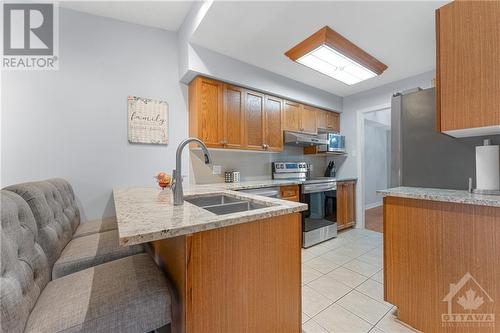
(303, 139)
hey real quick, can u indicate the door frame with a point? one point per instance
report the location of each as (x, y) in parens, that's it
(360, 193)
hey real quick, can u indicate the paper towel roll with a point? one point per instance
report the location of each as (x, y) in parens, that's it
(488, 167)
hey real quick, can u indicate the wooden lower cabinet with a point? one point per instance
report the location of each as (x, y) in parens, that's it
(241, 278)
(442, 259)
(290, 193)
(346, 204)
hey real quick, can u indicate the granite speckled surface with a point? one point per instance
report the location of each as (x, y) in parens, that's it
(456, 196)
(148, 214)
(252, 184)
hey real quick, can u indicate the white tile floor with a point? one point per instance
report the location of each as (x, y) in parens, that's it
(343, 286)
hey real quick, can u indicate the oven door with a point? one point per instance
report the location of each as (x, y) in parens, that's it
(319, 220)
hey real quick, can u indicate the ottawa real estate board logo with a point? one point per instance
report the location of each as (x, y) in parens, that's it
(30, 39)
(469, 305)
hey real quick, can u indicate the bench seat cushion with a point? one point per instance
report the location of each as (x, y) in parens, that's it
(126, 295)
(96, 226)
(87, 251)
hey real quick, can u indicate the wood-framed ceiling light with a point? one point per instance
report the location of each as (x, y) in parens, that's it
(328, 52)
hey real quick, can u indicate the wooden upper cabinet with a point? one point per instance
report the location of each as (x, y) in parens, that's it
(233, 116)
(321, 119)
(227, 116)
(300, 118)
(205, 111)
(333, 121)
(328, 120)
(468, 68)
(346, 204)
(308, 119)
(273, 113)
(291, 116)
(254, 120)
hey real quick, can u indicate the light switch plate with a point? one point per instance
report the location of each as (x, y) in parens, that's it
(216, 170)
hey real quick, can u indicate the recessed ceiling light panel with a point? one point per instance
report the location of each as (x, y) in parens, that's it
(329, 53)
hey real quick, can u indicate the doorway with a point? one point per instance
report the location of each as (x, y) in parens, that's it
(374, 162)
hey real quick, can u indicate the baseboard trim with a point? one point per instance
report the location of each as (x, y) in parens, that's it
(374, 205)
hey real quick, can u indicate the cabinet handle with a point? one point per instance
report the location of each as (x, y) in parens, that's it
(265, 146)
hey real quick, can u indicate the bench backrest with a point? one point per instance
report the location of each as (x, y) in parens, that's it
(70, 207)
(25, 270)
(55, 229)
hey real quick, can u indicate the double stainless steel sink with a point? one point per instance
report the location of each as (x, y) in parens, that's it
(221, 204)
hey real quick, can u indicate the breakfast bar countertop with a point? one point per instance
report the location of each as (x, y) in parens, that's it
(436, 194)
(147, 214)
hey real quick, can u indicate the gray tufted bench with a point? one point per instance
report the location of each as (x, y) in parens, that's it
(70, 209)
(125, 295)
(57, 217)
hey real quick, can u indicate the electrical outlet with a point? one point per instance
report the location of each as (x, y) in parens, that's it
(216, 170)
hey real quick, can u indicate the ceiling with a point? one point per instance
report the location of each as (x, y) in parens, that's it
(400, 34)
(167, 15)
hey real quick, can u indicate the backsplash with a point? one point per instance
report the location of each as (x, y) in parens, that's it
(251, 165)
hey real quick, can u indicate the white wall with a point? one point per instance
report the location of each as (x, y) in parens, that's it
(347, 167)
(196, 60)
(206, 62)
(72, 123)
(252, 165)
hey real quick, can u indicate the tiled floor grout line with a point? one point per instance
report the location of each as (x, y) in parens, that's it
(373, 326)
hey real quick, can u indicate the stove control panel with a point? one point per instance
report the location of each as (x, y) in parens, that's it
(287, 167)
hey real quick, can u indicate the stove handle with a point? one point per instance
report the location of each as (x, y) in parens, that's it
(314, 188)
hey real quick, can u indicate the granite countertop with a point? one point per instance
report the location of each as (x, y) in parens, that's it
(253, 184)
(147, 214)
(456, 196)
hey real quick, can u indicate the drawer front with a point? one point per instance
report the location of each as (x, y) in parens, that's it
(290, 192)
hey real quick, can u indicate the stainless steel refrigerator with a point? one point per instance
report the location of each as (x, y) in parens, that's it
(423, 157)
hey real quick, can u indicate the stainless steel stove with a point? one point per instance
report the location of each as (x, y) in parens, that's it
(319, 221)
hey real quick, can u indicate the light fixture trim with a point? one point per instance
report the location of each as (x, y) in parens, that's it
(326, 51)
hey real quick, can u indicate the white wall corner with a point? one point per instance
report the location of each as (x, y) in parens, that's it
(192, 21)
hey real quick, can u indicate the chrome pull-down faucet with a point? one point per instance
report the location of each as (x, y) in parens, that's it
(177, 174)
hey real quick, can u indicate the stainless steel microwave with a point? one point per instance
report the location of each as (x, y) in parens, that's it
(336, 143)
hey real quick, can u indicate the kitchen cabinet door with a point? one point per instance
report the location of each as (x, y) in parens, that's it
(308, 119)
(205, 111)
(273, 112)
(468, 68)
(346, 203)
(321, 116)
(333, 121)
(291, 116)
(254, 120)
(234, 116)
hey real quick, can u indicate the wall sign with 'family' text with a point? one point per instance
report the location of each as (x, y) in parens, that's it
(147, 120)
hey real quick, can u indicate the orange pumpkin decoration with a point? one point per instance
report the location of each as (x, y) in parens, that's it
(163, 179)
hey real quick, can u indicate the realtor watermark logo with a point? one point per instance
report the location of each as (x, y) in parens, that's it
(468, 305)
(30, 36)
